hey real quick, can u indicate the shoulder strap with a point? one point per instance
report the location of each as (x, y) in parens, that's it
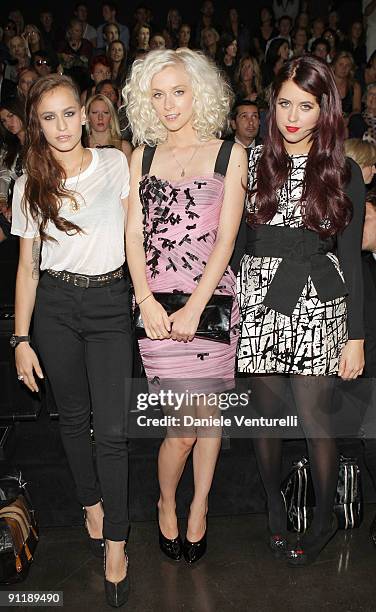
(223, 157)
(147, 159)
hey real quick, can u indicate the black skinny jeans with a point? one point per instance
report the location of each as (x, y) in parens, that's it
(83, 337)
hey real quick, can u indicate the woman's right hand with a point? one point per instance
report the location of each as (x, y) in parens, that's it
(156, 322)
(26, 363)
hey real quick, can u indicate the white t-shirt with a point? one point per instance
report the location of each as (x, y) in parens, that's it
(99, 248)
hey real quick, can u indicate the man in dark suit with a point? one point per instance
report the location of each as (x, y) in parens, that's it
(8, 89)
(245, 123)
(369, 276)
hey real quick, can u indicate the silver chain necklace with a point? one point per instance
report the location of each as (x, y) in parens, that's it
(187, 164)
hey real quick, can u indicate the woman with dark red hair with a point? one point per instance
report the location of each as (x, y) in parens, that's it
(100, 69)
(300, 285)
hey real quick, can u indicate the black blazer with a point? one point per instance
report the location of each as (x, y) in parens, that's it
(369, 277)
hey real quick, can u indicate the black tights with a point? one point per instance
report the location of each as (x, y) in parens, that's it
(312, 397)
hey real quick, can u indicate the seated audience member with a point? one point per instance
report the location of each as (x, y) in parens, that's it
(33, 38)
(300, 41)
(51, 34)
(16, 16)
(19, 58)
(284, 26)
(75, 50)
(364, 154)
(141, 37)
(247, 81)
(239, 32)
(321, 48)
(109, 11)
(117, 56)
(27, 77)
(184, 36)
(12, 132)
(228, 55)
(302, 21)
(171, 30)
(9, 30)
(363, 125)
(333, 40)
(318, 29)
(367, 75)
(157, 41)
(43, 63)
(8, 88)
(100, 69)
(111, 32)
(277, 53)
(348, 88)
(210, 42)
(265, 32)
(206, 20)
(89, 32)
(355, 43)
(245, 123)
(108, 88)
(102, 126)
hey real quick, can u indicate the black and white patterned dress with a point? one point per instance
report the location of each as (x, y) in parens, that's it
(309, 341)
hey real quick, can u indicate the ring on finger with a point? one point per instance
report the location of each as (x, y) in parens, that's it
(20, 377)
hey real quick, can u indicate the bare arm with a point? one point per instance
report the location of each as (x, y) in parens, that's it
(26, 286)
(154, 316)
(185, 321)
(126, 147)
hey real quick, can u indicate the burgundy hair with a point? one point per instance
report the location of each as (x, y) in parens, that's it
(325, 207)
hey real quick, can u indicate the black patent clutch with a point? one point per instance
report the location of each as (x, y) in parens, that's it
(215, 321)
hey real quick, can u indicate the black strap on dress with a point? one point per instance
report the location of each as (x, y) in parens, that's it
(147, 159)
(223, 157)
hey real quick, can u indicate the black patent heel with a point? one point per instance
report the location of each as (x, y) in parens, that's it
(172, 548)
(117, 593)
(96, 544)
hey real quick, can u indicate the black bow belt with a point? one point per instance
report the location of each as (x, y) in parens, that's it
(303, 254)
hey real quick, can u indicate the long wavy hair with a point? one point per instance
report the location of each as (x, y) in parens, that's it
(12, 144)
(324, 206)
(44, 188)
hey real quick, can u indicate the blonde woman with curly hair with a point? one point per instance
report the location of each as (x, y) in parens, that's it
(102, 126)
(186, 203)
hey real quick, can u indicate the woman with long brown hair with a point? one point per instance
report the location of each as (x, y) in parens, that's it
(80, 305)
(301, 325)
(248, 79)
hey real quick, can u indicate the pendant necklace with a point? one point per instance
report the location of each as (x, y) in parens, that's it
(187, 164)
(74, 206)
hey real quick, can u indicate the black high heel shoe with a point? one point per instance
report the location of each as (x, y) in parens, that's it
(96, 544)
(173, 549)
(308, 547)
(117, 593)
(194, 551)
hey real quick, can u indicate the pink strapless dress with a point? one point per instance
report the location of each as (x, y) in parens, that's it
(181, 219)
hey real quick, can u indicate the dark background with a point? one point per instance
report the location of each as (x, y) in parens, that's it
(248, 9)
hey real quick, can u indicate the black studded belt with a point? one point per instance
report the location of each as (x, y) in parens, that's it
(82, 280)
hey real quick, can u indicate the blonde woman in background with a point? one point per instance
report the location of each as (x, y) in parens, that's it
(248, 79)
(364, 154)
(102, 126)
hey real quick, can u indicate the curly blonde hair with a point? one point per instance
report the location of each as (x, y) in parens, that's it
(212, 96)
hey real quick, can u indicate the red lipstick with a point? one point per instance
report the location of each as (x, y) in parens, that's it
(291, 128)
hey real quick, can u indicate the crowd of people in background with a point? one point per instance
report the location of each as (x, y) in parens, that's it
(249, 51)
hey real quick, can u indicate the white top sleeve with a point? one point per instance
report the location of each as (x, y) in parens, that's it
(23, 224)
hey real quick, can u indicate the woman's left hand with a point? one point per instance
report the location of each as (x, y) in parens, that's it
(351, 363)
(184, 324)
